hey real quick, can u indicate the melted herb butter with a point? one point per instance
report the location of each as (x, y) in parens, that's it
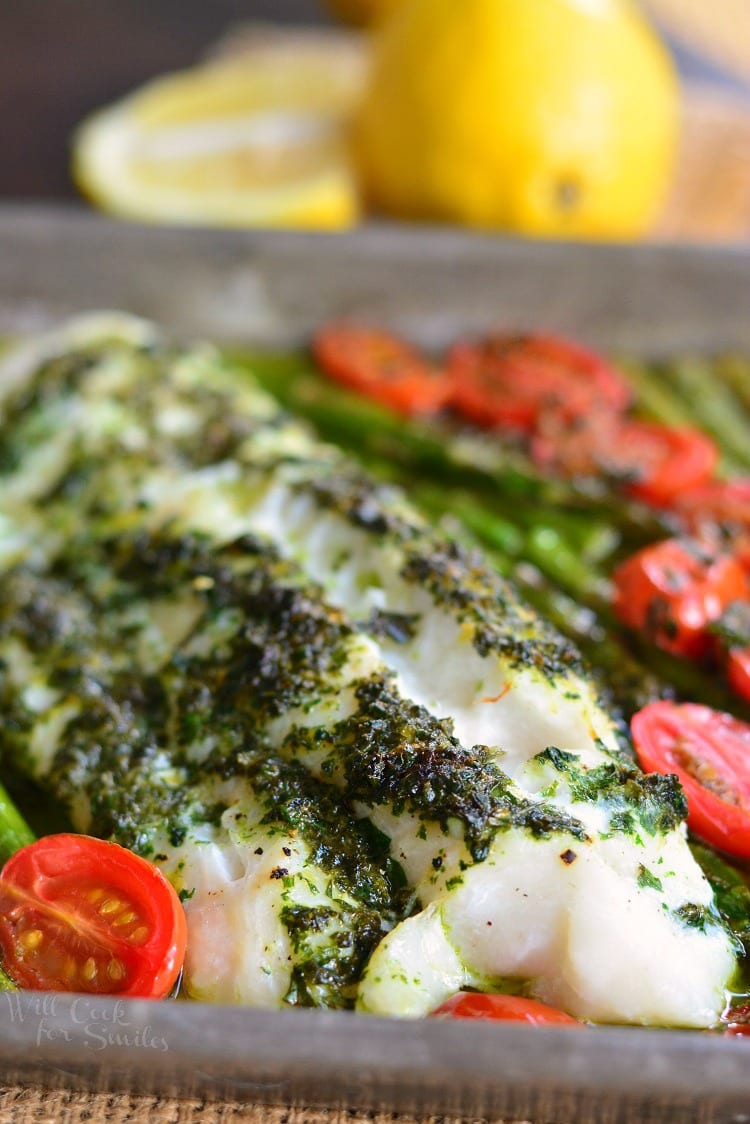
(398, 627)
(363, 503)
(653, 803)
(454, 577)
(462, 582)
(647, 880)
(393, 753)
(288, 643)
(695, 916)
(732, 898)
(128, 753)
(59, 377)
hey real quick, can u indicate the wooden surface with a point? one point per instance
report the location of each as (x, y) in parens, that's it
(710, 198)
(61, 59)
(28, 1106)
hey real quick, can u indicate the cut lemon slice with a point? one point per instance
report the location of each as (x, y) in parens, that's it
(255, 140)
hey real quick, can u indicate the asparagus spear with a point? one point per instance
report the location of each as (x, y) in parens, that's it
(656, 399)
(716, 409)
(14, 834)
(696, 393)
(14, 831)
(734, 370)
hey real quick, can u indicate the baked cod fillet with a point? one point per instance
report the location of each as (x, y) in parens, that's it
(221, 642)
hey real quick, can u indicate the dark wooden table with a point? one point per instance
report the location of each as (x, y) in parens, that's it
(59, 59)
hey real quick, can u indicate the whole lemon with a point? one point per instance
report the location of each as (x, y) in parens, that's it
(549, 117)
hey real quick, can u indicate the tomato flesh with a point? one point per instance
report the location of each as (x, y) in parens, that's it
(737, 1020)
(709, 751)
(382, 367)
(672, 591)
(510, 380)
(503, 1008)
(80, 914)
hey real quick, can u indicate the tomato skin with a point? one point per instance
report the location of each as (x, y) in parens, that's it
(738, 672)
(720, 504)
(680, 458)
(81, 914)
(381, 366)
(510, 380)
(503, 1008)
(671, 592)
(649, 461)
(686, 739)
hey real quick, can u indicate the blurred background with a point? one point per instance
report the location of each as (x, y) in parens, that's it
(61, 59)
(477, 145)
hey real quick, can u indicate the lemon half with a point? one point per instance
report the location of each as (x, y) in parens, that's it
(256, 140)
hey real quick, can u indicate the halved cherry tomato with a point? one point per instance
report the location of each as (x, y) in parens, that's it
(738, 672)
(731, 636)
(718, 511)
(509, 380)
(79, 914)
(710, 753)
(672, 591)
(721, 502)
(652, 462)
(737, 1021)
(382, 367)
(504, 1008)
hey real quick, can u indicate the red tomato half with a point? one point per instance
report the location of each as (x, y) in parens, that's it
(725, 503)
(719, 511)
(737, 1021)
(710, 753)
(504, 1008)
(672, 591)
(652, 462)
(738, 672)
(509, 380)
(663, 460)
(382, 367)
(79, 914)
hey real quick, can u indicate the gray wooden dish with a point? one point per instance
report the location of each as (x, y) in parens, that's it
(273, 289)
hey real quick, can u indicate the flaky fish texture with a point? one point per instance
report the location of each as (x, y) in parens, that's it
(374, 775)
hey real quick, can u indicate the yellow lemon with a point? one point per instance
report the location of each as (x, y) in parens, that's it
(259, 140)
(550, 117)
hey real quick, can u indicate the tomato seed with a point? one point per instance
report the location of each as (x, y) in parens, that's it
(125, 919)
(89, 971)
(112, 905)
(32, 938)
(70, 968)
(115, 970)
(139, 935)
